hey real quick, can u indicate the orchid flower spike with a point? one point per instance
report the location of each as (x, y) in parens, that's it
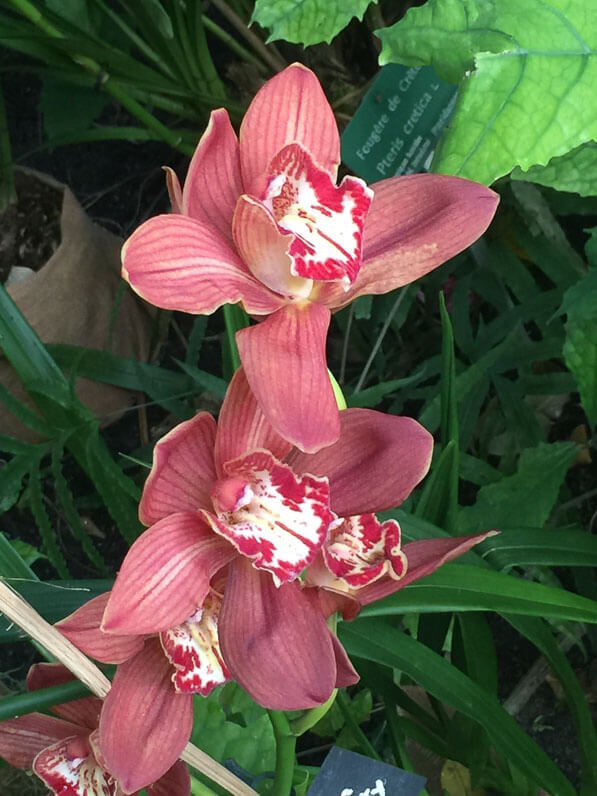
(262, 222)
(251, 544)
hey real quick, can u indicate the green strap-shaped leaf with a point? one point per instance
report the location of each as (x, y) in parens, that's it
(542, 637)
(376, 640)
(461, 587)
(307, 21)
(580, 348)
(527, 71)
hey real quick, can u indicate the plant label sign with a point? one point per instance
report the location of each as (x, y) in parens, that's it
(345, 773)
(398, 123)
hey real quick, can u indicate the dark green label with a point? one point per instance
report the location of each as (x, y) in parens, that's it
(398, 123)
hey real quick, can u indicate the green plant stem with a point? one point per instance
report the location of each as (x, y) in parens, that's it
(19, 704)
(285, 753)
(365, 743)
(235, 318)
(310, 717)
(275, 61)
(31, 13)
(233, 44)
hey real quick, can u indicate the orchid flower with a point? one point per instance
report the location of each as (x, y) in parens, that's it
(262, 222)
(64, 750)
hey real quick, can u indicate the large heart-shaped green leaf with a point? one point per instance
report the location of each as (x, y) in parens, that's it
(527, 71)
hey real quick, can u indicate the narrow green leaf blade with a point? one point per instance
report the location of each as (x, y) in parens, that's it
(462, 587)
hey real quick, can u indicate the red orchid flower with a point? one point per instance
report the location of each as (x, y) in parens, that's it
(362, 561)
(65, 752)
(261, 221)
(212, 590)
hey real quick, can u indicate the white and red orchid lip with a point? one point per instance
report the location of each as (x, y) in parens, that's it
(326, 220)
(276, 519)
(363, 549)
(193, 649)
(69, 768)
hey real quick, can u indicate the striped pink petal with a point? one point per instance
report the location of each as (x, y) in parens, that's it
(193, 649)
(82, 627)
(182, 472)
(275, 641)
(415, 223)
(376, 463)
(279, 521)
(289, 108)
(145, 724)
(165, 575)
(242, 427)
(23, 738)
(213, 182)
(285, 364)
(179, 263)
(423, 557)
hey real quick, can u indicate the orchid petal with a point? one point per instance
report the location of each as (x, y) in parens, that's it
(145, 724)
(178, 263)
(83, 712)
(291, 107)
(193, 649)
(23, 738)
(362, 550)
(174, 189)
(242, 426)
(176, 780)
(280, 521)
(424, 556)
(326, 221)
(165, 575)
(433, 217)
(69, 768)
(182, 471)
(346, 674)
(213, 181)
(376, 463)
(285, 365)
(275, 641)
(264, 248)
(82, 627)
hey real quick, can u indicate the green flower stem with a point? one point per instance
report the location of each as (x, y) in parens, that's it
(285, 753)
(365, 743)
(42, 699)
(31, 13)
(235, 318)
(310, 717)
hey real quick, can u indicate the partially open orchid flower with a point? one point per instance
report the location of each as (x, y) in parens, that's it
(362, 561)
(64, 750)
(261, 221)
(236, 516)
